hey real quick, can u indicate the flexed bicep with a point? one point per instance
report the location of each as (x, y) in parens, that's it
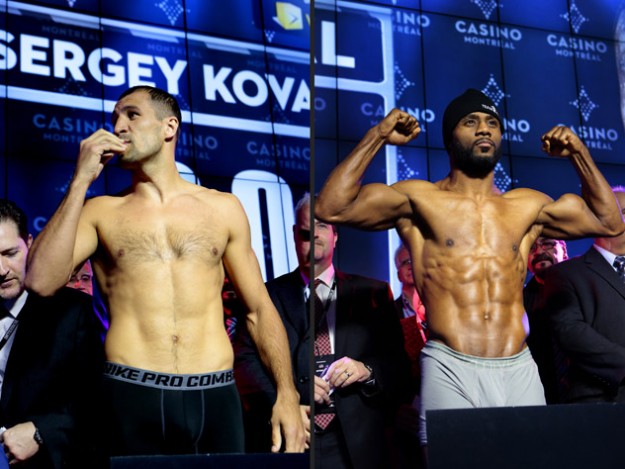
(376, 207)
(569, 217)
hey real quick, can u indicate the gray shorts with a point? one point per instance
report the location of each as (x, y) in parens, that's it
(453, 380)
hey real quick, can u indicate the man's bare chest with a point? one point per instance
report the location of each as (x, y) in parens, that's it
(141, 239)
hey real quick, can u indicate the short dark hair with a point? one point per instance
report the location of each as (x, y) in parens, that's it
(9, 211)
(166, 102)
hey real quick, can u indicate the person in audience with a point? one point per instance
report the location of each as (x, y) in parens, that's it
(584, 301)
(51, 360)
(82, 278)
(544, 253)
(360, 369)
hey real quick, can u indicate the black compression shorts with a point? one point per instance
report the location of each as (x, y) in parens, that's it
(159, 413)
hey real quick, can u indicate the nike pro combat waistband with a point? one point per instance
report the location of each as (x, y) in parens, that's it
(159, 380)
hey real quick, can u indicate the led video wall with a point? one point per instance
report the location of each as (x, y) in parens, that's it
(544, 63)
(240, 73)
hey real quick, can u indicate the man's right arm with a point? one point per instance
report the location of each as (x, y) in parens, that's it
(69, 237)
(344, 200)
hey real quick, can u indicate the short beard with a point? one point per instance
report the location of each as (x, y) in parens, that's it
(473, 166)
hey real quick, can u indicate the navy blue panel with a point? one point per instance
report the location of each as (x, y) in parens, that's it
(540, 85)
(240, 20)
(166, 13)
(488, 10)
(550, 15)
(595, 17)
(90, 6)
(47, 183)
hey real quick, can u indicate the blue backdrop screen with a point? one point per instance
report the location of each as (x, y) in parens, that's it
(240, 73)
(543, 64)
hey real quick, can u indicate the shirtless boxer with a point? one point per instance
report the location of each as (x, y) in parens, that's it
(158, 251)
(469, 245)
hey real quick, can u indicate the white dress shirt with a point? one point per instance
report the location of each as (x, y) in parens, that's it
(5, 324)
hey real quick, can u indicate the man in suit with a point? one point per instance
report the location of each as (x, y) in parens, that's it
(82, 278)
(544, 253)
(368, 368)
(585, 301)
(51, 360)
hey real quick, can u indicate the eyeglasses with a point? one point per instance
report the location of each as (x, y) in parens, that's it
(405, 262)
(546, 244)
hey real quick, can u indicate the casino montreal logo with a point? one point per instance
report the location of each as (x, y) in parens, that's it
(581, 48)
(409, 23)
(488, 34)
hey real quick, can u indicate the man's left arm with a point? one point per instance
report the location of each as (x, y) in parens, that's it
(597, 212)
(266, 329)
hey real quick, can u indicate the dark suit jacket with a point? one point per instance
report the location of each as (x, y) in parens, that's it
(540, 340)
(51, 376)
(368, 330)
(585, 301)
(287, 294)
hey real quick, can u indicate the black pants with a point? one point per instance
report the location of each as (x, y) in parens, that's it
(143, 420)
(330, 448)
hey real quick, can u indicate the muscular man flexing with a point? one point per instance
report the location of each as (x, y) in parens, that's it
(469, 245)
(158, 251)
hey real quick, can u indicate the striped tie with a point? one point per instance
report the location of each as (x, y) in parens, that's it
(322, 347)
(619, 264)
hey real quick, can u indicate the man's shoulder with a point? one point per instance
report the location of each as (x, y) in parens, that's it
(222, 202)
(288, 279)
(415, 184)
(572, 266)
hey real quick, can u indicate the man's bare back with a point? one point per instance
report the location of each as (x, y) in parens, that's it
(160, 269)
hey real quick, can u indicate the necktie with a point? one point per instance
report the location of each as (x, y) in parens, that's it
(322, 335)
(322, 347)
(619, 263)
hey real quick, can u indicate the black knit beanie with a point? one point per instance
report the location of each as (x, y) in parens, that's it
(470, 101)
